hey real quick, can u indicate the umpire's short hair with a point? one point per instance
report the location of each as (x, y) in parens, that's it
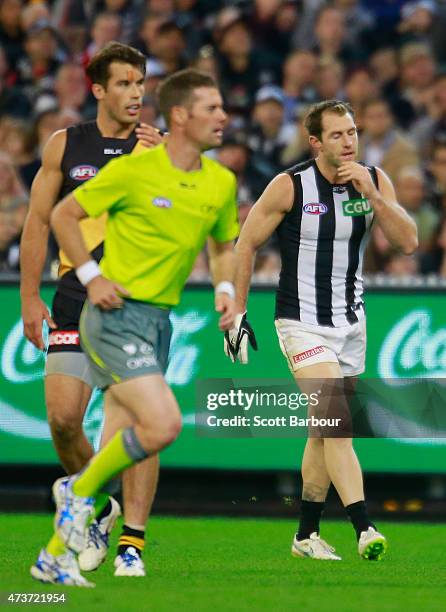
(98, 70)
(313, 118)
(178, 89)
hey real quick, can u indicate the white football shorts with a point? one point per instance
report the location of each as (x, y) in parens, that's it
(303, 344)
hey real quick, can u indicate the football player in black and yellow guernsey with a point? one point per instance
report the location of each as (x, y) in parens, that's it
(71, 157)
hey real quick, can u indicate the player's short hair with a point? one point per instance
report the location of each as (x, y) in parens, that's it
(313, 118)
(98, 70)
(178, 89)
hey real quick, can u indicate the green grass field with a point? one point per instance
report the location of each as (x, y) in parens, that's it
(243, 564)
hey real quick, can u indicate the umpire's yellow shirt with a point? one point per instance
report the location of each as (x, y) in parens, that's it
(159, 218)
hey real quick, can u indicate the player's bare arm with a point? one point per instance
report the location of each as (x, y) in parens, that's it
(34, 242)
(221, 263)
(65, 220)
(264, 217)
(399, 229)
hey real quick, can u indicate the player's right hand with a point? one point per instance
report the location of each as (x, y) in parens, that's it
(105, 293)
(236, 339)
(34, 313)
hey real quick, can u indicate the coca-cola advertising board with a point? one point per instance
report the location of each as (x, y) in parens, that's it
(406, 344)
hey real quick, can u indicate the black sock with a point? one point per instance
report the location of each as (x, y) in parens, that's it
(310, 516)
(131, 537)
(357, 513)
(103, 513)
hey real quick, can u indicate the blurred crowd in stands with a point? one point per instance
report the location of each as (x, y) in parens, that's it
(272, 59)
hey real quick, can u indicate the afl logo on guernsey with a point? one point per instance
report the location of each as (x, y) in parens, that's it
(83, 172)
(162, 202)
(315, 208)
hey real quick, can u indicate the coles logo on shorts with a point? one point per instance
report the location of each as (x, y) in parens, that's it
(65, 338)
(306, 354)
(83, 172)
(315, 208)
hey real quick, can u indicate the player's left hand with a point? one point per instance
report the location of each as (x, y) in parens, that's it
(147, 135)
(225, 304)
(236, 339)
(360, 177)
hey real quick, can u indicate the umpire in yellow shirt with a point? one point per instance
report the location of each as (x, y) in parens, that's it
(162, 206)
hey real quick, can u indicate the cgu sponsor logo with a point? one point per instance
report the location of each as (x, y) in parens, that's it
(356, 208)
(413, 350)
(83, 172)
(315, 208)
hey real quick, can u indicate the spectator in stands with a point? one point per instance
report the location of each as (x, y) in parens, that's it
(269, 134)
(267, 265)
(411, 194)
(12, 101)
(417, 71)
(128, 13)
(437, 169)
(106, 27)
(272, 23)
(147, 32)
(359, 22)
(431, 128)
(385, 70)
(37, 70)
(9, 242)
(45, 124)
(243, 69)
(417, 20)
(359, 88)
(236, 155)
(331, 37)
(299, 72)
(206, 62)
(70, 87)
(11, 33)
(16, 141)
(381, 144)
(35, 12)
(13, 206)
(168, 48)
(329, 80)
(163, 8)
(11, 187)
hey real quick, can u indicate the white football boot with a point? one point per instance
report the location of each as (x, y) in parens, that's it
(129, 564)
(97, 546)
(372, 545)
(313, 547)
(73, 514)
(62, 569)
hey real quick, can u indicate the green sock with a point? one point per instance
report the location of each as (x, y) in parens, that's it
(100, 501)
(56, 546)
(109, 461)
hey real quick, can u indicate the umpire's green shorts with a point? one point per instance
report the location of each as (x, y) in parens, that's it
(125, 342)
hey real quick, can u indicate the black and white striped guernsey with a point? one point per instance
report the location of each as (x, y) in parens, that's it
(322, 241)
